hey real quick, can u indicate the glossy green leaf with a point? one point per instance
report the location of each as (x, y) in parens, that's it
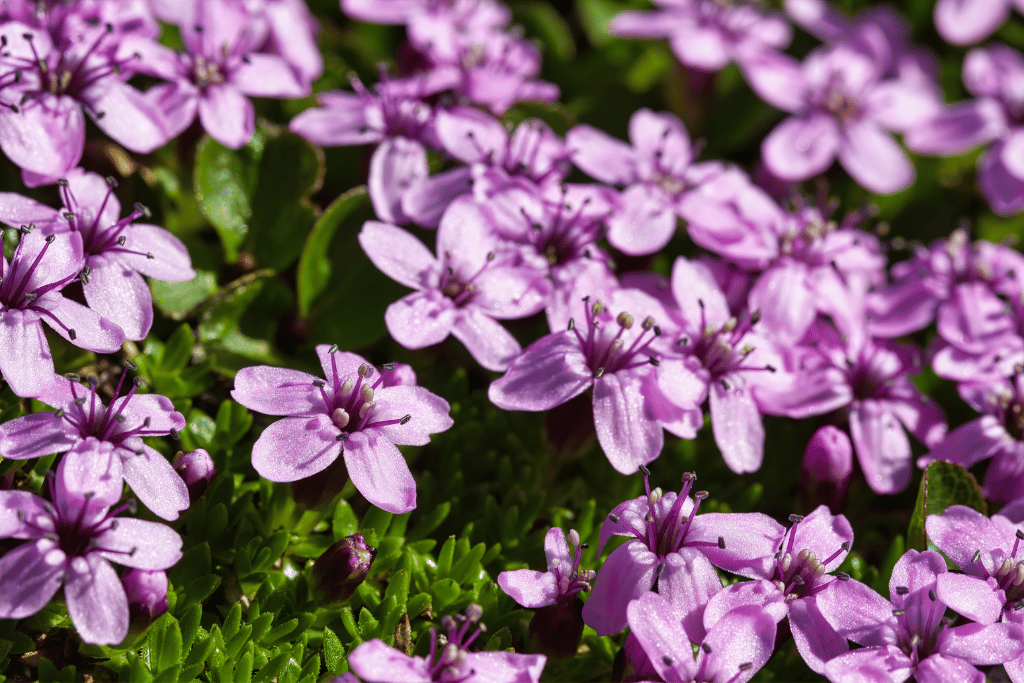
(223, 192)
(943, 484)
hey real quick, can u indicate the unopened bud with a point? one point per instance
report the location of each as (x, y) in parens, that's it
(338, 572)
(827, 468)
(196, 470)
(147, 594)
(556, 630)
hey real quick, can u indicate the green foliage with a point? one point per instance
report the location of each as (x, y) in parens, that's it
(943, 484)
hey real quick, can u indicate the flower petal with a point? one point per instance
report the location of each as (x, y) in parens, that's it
(531, 589)
(397, 254)
(628, 434)
(801, 147)
(490, 344)
(277, 391)
(36, 436)
(396, 165)
(628, 573)
(140, 544)
(295, 448)
(227, 115)
(738, 426)
(689, 581)
(548, 373)
(379, 472)
(29, 576)
(428, 411)
(119, 294)
(26, 362)
(873, 158)
(420, 319)
(96, 601)
(156, 484)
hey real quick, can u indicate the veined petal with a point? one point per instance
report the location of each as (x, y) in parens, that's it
(91, 331)
(428, 414)
(628, 434)
(227, 115)
(96, 600)
(738, 427)
(882, 446)
(379, 471)
(531, 589)
(140, 544)
(815, 638)
(120, 295)
(628, 573)
(983, 644)
(36, 436)
(155, 482)
(295, 448)
(801, 147)
(277, 391)
(655, 624)
(689, 581)
(29, 576)
(490, 344)
(420, 319)
(26, 362)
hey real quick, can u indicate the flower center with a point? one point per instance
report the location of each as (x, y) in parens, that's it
(607, 353)
(797, 573)
(455, 286)
(97, 239)
(716, 348)
(839, 101)
(350, 403)
(447, 660)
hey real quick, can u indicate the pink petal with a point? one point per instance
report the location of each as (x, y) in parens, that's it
(738, 426)
(689, 581)
(119, 294)
(601, 156)
(938, 668)
(750, 539)
(428, 411)
(873, 158)
(661, 141)
(556, 548)
(465, 233)
(627, 434)
(744, 636)
(856, 612)
(170, 261)
(963, 22)
(340, 122)
(958, 129)
(36, 436)
(397, 254)
(396, 165)
(426, 201)
(295, 448)
(882, 446)
(91, 331)
(970, 596)
(627, 574)
(882, 664)
(531, 589)
(263, 75)
(376, 661)
(227, 115)
(490, 344)
(959, 532)
(420, 319)
(646, 223)
(801, 147)
(815, 638)
(277, 391)
(29, 576)
(655, 625)
(46, 136)
(156, 484)
(548, 373)
(785, 300)
(700, 300)
(26, 363)
(379, 472)
(471, 135)
(96, 601)
(777, 78)
(1003, 190)
(140, 544)
(128, 116)
(982, 644)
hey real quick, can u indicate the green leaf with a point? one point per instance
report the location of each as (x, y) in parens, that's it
(444, 558)
(501, 640)
(345, 522)
(175, 299)
(543, 20)
(315, 263)
(943, 484)
(334, 652)
(223, 193)
(171, 648)
(290, 169)
(446, 592)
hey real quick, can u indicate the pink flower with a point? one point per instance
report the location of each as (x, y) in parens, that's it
(345, 415)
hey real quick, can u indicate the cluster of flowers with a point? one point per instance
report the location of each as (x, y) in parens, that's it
(58, 60)
(685, 626)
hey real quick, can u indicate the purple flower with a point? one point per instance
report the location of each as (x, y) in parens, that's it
(674, 546)
(118, 251)
(557, 625)
(992, 75)
(870, 382)
(533, 153)
(815, 545)
(460, 291)
(83, 425)
(72, 539)
(29, 293)
(722, 359)
(344, 415)
(909, 636)
(561, 581)
(997, 434)
(449, 661)
(806, 260)
(658, 170)
(221, 68)
(46, 85)
(735, 649)
(606, 352)
(705, 34)
(843, 106)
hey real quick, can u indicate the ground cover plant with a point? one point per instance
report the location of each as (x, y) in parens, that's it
(462, 340)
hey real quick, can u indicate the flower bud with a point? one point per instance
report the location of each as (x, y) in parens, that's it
(196, 469)
(338, 572)
(147, 594)
(827, 468)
